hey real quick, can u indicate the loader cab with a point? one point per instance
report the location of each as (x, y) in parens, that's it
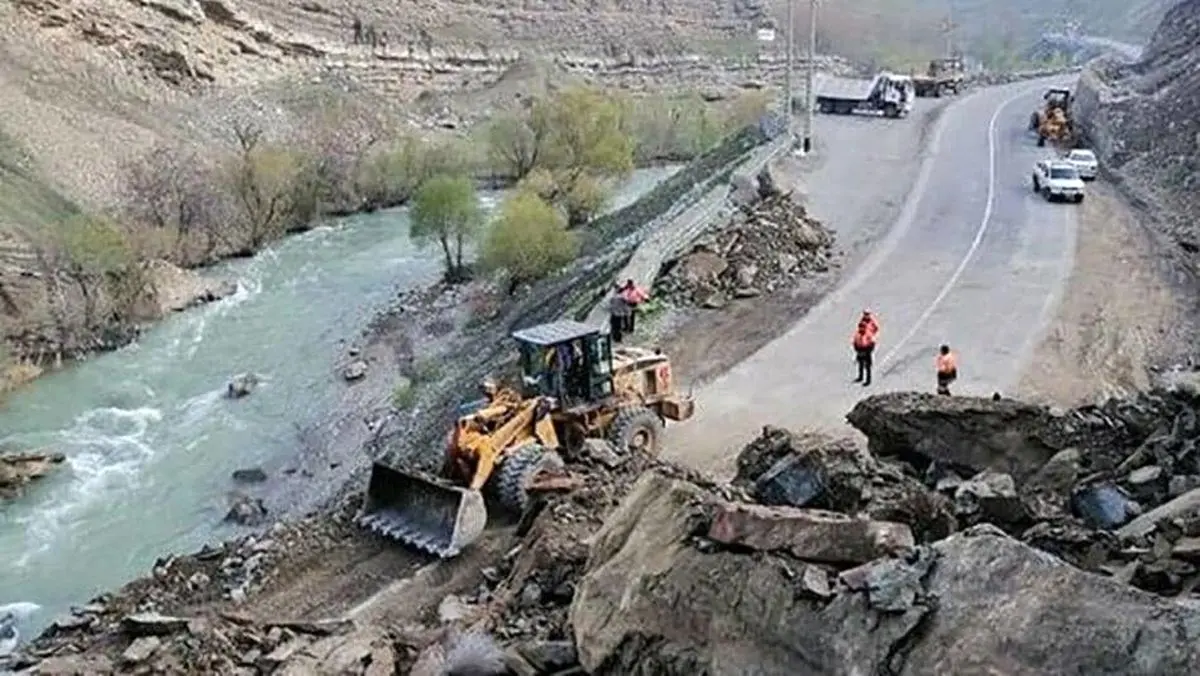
(1057, 98)
(567, 360)
(946, 66)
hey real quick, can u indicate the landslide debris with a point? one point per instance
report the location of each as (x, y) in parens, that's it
(762, 247)
(1113, 488)
(963, 540)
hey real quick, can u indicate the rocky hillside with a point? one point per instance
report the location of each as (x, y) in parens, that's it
(1144, 121)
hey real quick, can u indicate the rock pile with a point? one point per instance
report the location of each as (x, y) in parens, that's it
(168, 620)
(18, 470)
(925, 553)
(762, 247)
(1113, 489)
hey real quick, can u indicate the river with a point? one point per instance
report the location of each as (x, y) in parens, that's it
(150, 439)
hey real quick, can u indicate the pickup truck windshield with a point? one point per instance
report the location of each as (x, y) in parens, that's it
(1063, 173)
(1083, 157)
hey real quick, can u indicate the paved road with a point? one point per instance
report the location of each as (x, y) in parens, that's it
(975, 259)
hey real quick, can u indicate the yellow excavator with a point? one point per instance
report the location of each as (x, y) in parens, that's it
(504, 448)
(1053, 121)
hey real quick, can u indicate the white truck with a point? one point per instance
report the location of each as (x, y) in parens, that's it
(886, 93)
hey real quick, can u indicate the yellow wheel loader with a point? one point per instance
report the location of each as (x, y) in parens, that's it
(504, 448)
(1053, 121)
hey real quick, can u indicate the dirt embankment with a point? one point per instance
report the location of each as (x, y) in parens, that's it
(907, 556)
(1143, 119)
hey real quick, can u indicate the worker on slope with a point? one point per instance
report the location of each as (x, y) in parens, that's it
(634, 295)
(865, 336)
(619, 311)
(947, 369)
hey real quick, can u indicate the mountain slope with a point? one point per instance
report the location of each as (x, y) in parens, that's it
(1144, 121)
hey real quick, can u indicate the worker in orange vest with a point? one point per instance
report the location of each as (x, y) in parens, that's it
(947, 369)
(865, 336)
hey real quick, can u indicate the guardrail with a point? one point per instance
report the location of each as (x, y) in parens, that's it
(668, 236)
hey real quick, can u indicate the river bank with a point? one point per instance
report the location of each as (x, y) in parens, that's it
(148, 423)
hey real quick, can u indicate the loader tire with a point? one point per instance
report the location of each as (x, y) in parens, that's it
(636, 429)
(515, 472)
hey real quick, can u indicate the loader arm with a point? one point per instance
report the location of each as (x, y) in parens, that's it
(522, 425)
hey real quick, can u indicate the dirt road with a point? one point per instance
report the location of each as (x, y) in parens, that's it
(974, 259)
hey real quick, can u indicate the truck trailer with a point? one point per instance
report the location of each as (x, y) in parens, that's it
(886, 93)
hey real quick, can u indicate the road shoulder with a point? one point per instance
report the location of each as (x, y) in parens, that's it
(1120, 315)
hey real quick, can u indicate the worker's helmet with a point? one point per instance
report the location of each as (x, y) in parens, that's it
(489, 387)
(866, 311)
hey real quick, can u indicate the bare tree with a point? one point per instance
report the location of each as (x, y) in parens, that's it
(173, 188)
(263, 180)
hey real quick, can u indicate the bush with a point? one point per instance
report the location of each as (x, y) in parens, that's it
(391, 174)
(528, 240)
(404, 395)
(673, 128)
(90, 249)
(446, 210)
(576, 141)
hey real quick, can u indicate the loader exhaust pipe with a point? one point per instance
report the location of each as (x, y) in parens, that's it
(429, 515)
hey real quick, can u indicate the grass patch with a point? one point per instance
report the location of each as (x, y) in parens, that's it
(425, 371)
(26, 200)
(404, 395)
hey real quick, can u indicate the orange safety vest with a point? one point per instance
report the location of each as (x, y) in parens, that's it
(946, 363)
(864, 338)
(634, 296)
(864, 335)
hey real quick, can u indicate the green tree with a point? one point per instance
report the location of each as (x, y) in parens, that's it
(528, 240)
(578, 139)
(516, 144)
(446, 210)
(393, 172)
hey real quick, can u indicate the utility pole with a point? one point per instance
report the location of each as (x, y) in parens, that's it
(810, 75)
(789, 94)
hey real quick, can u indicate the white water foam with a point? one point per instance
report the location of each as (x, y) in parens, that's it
(109, 455)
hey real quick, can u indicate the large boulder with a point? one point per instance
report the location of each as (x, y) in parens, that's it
(659, 598)
(813, 469)
(973, 433)
(652, 603)
(1004, 607)
(18, 470)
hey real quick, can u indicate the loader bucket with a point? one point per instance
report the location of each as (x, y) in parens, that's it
(435, 517)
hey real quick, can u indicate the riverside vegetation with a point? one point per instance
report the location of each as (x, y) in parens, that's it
(193, 207)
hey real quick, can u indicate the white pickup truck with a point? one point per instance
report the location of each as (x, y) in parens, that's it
(1057, 180)
(1085, 162)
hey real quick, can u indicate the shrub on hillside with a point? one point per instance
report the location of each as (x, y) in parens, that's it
(527, 240)
(89, 248)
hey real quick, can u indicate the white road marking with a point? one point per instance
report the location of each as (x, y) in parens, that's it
(979, 233)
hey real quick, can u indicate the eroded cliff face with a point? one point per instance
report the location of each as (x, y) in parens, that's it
(1143, 119)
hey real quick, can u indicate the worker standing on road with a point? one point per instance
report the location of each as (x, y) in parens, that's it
(865, 336)
(947, 369)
